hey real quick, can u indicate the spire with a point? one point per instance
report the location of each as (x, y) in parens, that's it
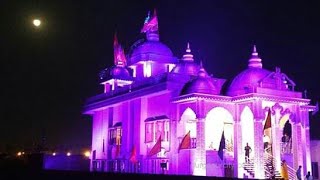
(255, 60)
(202, 72)
(188, 56)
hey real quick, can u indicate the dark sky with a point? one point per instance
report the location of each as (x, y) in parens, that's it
(47, 73)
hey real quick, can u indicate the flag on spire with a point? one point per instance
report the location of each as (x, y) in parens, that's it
(133, 155)
(186, 142)
(222, 146)
(156, 148)
(118, 53)
(150, 24)
(267, 124)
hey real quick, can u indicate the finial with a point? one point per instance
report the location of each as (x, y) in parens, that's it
(255, 60)
(188, 50)
(188, 56)
(202, 72)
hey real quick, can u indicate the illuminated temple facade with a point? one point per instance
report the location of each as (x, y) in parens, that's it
(150, 93)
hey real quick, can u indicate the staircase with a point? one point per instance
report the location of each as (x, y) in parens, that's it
(249, 169)
(271, 172)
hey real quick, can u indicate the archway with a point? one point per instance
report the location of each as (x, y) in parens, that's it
(188, 123)
(247, 127)
(219, 120)
(286, 128)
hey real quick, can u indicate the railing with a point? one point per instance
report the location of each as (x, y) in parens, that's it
(270, 160)
(286, 147)
(136, 85)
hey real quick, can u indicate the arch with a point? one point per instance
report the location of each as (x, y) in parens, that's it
(247, 129)
(188, 122)
(218, 120)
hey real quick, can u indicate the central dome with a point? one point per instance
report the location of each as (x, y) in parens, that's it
(152, 49)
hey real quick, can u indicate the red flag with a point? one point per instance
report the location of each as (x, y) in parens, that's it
(133, 155)
(118, 52)
(267, 124)
(151, 24)
(156, 148)
(186, 142)
(117, 151)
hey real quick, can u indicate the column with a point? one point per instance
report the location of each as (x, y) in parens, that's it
(200, 150)
(237, 136)
(258, 149)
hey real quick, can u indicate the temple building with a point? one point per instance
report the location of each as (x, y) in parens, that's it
(162, 114)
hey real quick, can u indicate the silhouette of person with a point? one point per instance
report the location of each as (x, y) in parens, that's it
(298, 173)
(247, 150)
(308, 176)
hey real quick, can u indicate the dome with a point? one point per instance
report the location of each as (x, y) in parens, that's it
(251, 77)
(152, 49)
(201, 84)
(246, 79)
(119, 72)
(189, 68)
(187, 64)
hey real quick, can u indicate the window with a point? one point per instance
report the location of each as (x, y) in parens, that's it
(156, 128)
(149, 132)
(115, 136)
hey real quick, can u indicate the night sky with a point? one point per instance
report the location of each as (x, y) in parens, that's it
(48, 72)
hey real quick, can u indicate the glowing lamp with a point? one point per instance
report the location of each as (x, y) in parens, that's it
(68, 154)
(53, 154)
(19, 154)
(87, 154)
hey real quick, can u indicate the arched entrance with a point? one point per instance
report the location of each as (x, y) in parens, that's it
(218, 121)
(247, 127)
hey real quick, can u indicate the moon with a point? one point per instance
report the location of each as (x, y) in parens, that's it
(36, 22)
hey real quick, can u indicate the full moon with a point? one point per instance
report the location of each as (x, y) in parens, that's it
(36, 22)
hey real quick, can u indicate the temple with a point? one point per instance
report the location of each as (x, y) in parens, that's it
(160, 114)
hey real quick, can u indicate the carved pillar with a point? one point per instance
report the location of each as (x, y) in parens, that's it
(258, 149)
(200, 150)
(237, 136)
(276, 135)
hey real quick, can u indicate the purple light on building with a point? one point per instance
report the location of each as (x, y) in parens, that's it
(154, 94)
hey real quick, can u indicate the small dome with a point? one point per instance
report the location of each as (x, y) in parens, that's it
(201, 84)
(189, 68)
(246, 79)
(187, 64)
(119, 72)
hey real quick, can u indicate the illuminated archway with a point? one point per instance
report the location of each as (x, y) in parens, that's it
(286, 128)
(247, 126)
(218, 120)
(188, 123)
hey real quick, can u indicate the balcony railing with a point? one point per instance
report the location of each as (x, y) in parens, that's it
(136, 85)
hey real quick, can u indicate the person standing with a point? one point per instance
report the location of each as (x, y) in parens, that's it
(247, 150)
(298, 173)
(308, 176)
